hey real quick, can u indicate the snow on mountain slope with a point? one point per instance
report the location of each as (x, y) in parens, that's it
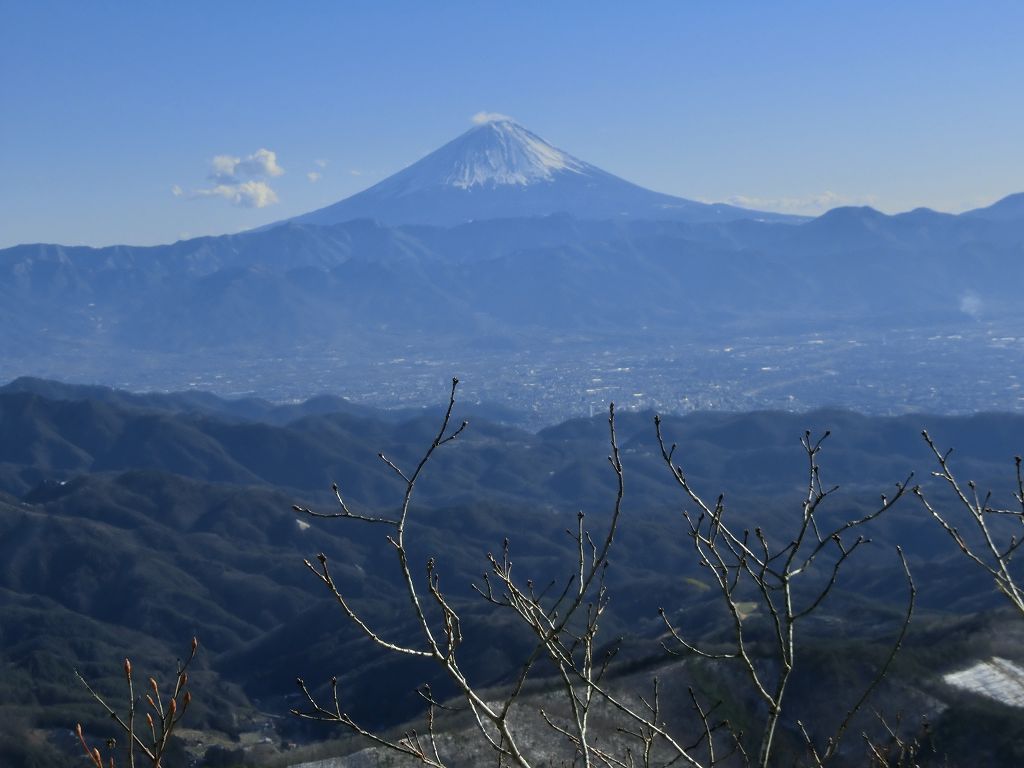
(499, 169)
(499, 152)
(490, 155)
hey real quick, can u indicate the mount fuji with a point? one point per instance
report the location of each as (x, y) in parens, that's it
(499, 169)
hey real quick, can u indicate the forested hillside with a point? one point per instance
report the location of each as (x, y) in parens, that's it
(130, 523)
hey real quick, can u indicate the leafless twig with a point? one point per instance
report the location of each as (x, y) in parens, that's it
(746, 563)
(991, 557)
(162, 716)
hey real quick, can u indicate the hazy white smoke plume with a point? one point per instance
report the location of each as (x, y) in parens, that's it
(971, 304)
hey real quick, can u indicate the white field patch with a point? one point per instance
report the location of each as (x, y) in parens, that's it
(997, 678)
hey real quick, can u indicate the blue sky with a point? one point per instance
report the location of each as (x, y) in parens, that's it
(107, 109)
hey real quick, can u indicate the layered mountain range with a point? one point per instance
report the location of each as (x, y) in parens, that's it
(497, 239)
(129, 523)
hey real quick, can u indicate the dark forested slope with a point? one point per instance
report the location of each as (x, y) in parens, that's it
(130, 523)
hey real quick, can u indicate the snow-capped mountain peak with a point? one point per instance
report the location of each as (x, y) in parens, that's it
(497, 153)
(499, 169)
(502, 152)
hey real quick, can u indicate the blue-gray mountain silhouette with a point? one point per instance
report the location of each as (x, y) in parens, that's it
(501, 170)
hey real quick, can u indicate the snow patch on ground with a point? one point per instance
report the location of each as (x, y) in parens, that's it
(997, 678)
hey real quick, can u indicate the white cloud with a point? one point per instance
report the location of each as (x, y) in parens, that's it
(356, 172)
(246, 194)
(177, 191)
(320, 163)
(313, 177)
(488, 117)
(810, 205)
(223, 166)
(242, 181)
(262, 162)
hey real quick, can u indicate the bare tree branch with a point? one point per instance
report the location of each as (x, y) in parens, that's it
(988, 556)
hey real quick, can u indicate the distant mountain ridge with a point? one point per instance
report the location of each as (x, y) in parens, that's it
(349, 283)
(1009, 208)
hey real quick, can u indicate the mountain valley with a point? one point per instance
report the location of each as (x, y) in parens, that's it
(140, 520)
